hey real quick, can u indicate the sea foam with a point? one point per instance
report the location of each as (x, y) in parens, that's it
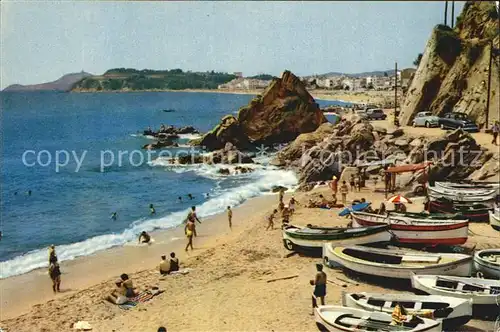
(260, 182)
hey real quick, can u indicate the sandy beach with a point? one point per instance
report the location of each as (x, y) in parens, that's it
(227, 286)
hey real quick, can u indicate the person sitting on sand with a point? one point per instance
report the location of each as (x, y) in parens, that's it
(164, 265)
(55, 276)
(323, 202)
(343, 191)
(189, 230)
(152, 209)
(310, 203)
(319, 284)
(144, 237)
(117, 296)
(270, 220)
(174, 263)
(128, 285)
(52, 255)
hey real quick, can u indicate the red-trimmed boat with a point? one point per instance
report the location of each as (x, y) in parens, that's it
(472, 212)
(417, 231)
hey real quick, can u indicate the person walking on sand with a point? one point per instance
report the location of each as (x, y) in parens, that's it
(55, 275)
(189, 230)
(193, 218)
(52, 255)
(343, 191)
(230, 217)
(291, 205)
(281, 194)
(319, 284)
(270, 220)
(495, 130)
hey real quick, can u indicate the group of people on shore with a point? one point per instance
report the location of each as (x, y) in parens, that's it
(286, 210)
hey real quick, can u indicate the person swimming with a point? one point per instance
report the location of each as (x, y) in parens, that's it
(179, 199)
(190, 196)
(113, 215)
(152, 209)
(144, 237)
(29, 192)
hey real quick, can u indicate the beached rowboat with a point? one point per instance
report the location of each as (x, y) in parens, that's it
(462, 195)
(495, 219)
(488, 262)
(472, 212)
(337, 318)
(452, 312)
(312, 238)
(481, 291)
(467, 186)
(398, 264)
(417, 231)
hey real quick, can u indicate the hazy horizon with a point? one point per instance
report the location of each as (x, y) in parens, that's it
(42, 41)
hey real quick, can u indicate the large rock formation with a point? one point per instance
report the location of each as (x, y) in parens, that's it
(284, 111)
(453, 72)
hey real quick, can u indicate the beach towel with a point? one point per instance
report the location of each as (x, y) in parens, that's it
(140, 298)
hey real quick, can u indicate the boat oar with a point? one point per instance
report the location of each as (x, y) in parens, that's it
(283, 278)
(333, 282)
(348, 281)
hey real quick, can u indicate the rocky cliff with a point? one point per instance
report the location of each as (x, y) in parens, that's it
(453, 72)
(279, 115)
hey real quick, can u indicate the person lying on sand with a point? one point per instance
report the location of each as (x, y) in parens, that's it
(144, 237)
(128, 285)
(189, 231)
(55, 276)
(323, 202)
(117, 296)
(270, 219)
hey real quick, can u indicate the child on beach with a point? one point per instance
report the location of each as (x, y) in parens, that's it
(270, 220)
(230, 217)
(319, 284)
(55, 275)
(343, 191)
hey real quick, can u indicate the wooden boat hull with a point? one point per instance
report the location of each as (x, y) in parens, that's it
(460, 314)
(408, 232)
(461, 195)
(467, 186)
(329, 318)
(337, 257)
(471, 213)
(489, 269)
(293, 240)
(427, 284)
(495, 220)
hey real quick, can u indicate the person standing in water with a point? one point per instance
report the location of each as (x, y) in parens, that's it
(144, 237)
(191, 197)
(193, 218)
(319, 284)
(151, 209)
(113, 216)
(189, 229)
(179, 199)
(230, 217)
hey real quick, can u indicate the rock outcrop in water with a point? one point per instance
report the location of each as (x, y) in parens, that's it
(453, 72)
(284, 111)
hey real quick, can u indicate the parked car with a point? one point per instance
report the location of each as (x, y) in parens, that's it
(426, 119)
(375, 114)
(455, 120)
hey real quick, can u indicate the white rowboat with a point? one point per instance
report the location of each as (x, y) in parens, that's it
(396, 263)
(452, 312)
(495, 219)
(488, 262)
(337, 318)
(481, 291)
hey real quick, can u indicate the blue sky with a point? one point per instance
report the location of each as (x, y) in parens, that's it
(43, 40)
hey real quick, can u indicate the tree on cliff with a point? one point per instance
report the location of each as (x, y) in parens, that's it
(416, 62)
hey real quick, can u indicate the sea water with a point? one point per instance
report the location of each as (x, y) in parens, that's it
(64, 137)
